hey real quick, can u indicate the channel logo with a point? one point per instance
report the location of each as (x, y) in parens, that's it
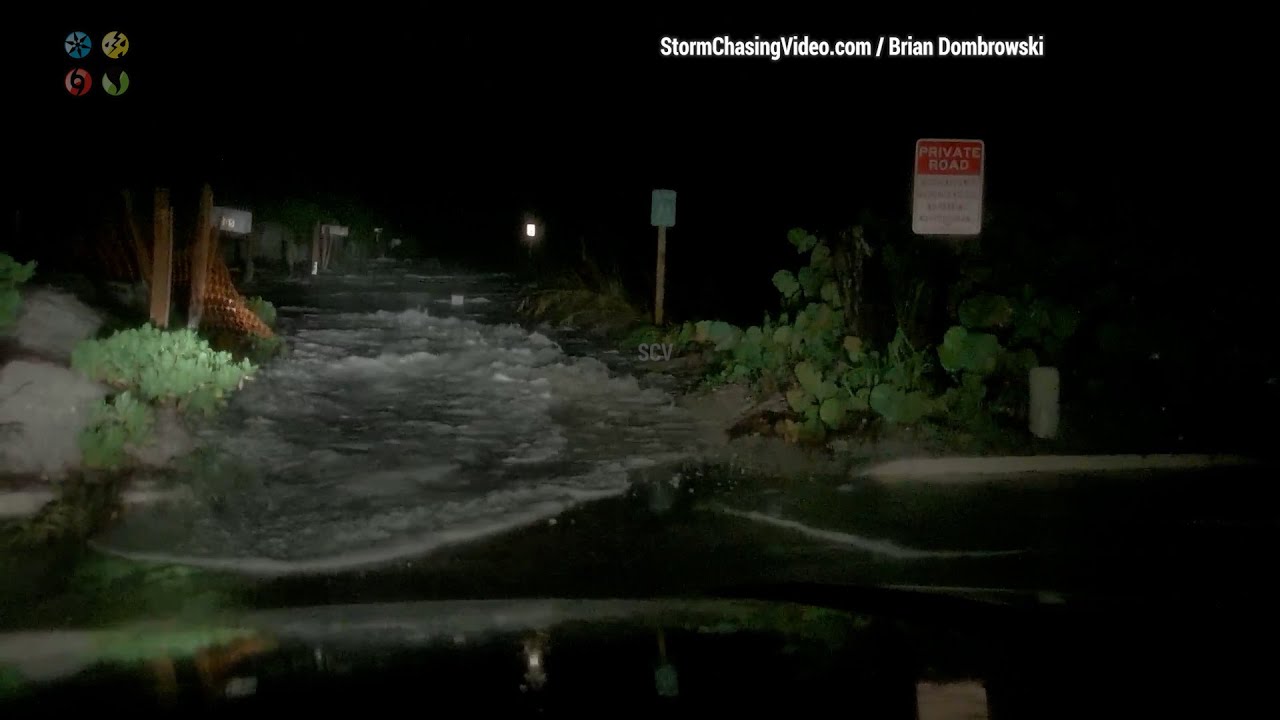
(78, 82)
(115, 82)
(115, 45)
(77, 45)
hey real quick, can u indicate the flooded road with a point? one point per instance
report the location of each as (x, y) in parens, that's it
(410, 412)
(412, 448)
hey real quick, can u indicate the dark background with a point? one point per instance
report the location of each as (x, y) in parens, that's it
(1121, 167)
(453, 128)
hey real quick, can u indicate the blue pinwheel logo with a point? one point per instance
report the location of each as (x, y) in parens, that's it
(77, 44)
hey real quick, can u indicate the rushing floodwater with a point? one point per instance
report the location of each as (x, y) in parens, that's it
(399, 422)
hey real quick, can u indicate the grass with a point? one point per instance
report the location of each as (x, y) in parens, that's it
(67, 584)
(85, 504)
(588, 300)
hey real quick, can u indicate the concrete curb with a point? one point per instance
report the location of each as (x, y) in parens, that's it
(971, 469)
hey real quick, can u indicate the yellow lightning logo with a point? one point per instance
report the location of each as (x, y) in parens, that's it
(115, 44)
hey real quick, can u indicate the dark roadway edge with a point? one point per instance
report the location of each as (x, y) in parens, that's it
(650, 542)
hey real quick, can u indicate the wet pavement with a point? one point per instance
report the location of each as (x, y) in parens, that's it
(1136, 542)
(410, 412)
(351, 504)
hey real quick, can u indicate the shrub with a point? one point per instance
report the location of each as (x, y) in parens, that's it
(999, 339)
(115, 424)
(265, 311)
(167, 368)
(828, 377)
(12, 274)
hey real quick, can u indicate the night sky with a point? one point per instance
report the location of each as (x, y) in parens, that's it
(454, 129)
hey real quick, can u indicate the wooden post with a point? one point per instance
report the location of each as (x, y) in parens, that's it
(139, 247)
(200, 259)
(162, 260)
(660, 289)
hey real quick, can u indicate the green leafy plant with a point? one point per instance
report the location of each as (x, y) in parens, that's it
(12, 274)
(998, 341)
(264, 309)
(262, 350)
(827, 377)
(964, 350)
(966, 404)
(893, 384)
(1042, 323)
(901, 394)
(986, 311)
(168, 368)
(1027, 322)
(114, 425)
(833, 380)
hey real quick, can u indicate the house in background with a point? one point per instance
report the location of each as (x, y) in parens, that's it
(270, 241)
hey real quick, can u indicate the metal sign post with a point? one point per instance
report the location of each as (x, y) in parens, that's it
(239, 223)
(662, 213)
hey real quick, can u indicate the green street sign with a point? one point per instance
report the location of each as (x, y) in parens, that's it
(662, 213)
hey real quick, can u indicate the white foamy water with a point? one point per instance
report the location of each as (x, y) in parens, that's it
(385, 434)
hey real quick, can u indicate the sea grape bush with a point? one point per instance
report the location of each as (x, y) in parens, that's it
(828, 377)
(831, 379)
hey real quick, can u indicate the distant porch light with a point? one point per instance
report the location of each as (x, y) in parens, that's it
(531, 231)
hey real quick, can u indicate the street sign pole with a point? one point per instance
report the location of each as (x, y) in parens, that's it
(662, 213)
(660, 292)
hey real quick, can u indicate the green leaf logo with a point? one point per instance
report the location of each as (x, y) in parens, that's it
(111, 87)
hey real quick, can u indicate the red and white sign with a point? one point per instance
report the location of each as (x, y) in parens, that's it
(947, 196)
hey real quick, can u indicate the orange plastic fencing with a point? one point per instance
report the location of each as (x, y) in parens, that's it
(224, 307)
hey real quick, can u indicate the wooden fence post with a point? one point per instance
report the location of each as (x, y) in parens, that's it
(139, 246)
(161, 270)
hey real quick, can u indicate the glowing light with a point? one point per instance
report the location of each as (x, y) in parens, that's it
(530, 230)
